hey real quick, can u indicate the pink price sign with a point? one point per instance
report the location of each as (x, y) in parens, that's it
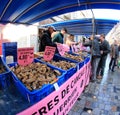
(74, 48)
(49, 53)
(66, 47)
(25, 56)
(62, 48)
(60, 101)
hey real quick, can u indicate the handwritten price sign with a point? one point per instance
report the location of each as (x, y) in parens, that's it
(25, 56)
(49, 53)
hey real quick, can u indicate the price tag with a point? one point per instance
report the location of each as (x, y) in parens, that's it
(66, 47)
(74, 48)
(49, 53)
(77, 67)
(62, 48)
(56, 86)
(25, 56)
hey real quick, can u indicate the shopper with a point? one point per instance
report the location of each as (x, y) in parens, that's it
(95, 53)
(105, 49)
(45, 39)
(114, 55)
(58, 38)
(119, 49)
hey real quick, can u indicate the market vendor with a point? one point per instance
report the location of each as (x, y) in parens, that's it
(70, 40)
(46, 39)
(58, 38)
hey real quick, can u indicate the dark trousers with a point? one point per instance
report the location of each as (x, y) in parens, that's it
(112, 63)
(101, 65)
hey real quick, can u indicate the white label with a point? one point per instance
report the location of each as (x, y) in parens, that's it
(56, 86)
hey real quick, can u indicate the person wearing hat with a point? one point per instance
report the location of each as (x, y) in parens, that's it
(58, 38)
(46, 39)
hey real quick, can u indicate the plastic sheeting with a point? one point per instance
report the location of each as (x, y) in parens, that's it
(85, 26)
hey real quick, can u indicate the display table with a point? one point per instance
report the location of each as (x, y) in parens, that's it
(59, 102)
(63, 98)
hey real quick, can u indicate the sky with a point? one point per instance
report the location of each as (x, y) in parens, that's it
(105, 13)
(98, 13)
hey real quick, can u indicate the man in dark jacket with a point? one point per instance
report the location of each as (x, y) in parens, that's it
(95, 53)
(105, 49)
(46, 39)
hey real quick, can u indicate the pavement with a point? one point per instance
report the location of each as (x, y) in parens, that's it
(101, 97)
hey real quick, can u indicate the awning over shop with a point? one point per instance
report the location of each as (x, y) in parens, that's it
(31, 11)
(85, 26)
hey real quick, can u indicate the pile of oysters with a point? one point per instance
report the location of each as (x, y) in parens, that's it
(35, 75)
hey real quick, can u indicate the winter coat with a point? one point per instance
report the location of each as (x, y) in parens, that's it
(95, 47)
(105, 47)
(114, 51)
(45, 40)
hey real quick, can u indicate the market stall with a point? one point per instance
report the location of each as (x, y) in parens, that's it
(58, 91)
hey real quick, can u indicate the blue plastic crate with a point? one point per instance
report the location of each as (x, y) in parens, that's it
(69, 72)
(62, 80)
(87, 59)
(80, 64)
(35, 95)
(4, 77)
(9, 49)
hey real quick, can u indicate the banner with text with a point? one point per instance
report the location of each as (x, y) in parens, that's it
(88, 72)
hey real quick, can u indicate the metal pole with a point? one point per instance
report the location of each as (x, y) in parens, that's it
(93, 23)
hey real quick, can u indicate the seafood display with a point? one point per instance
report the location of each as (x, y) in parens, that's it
(65, 65)
(38, 54)
(74, 57)
(81, 53)
(35, 75)
(2, 68)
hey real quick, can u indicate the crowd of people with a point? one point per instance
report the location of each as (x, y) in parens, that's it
(99, 49)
